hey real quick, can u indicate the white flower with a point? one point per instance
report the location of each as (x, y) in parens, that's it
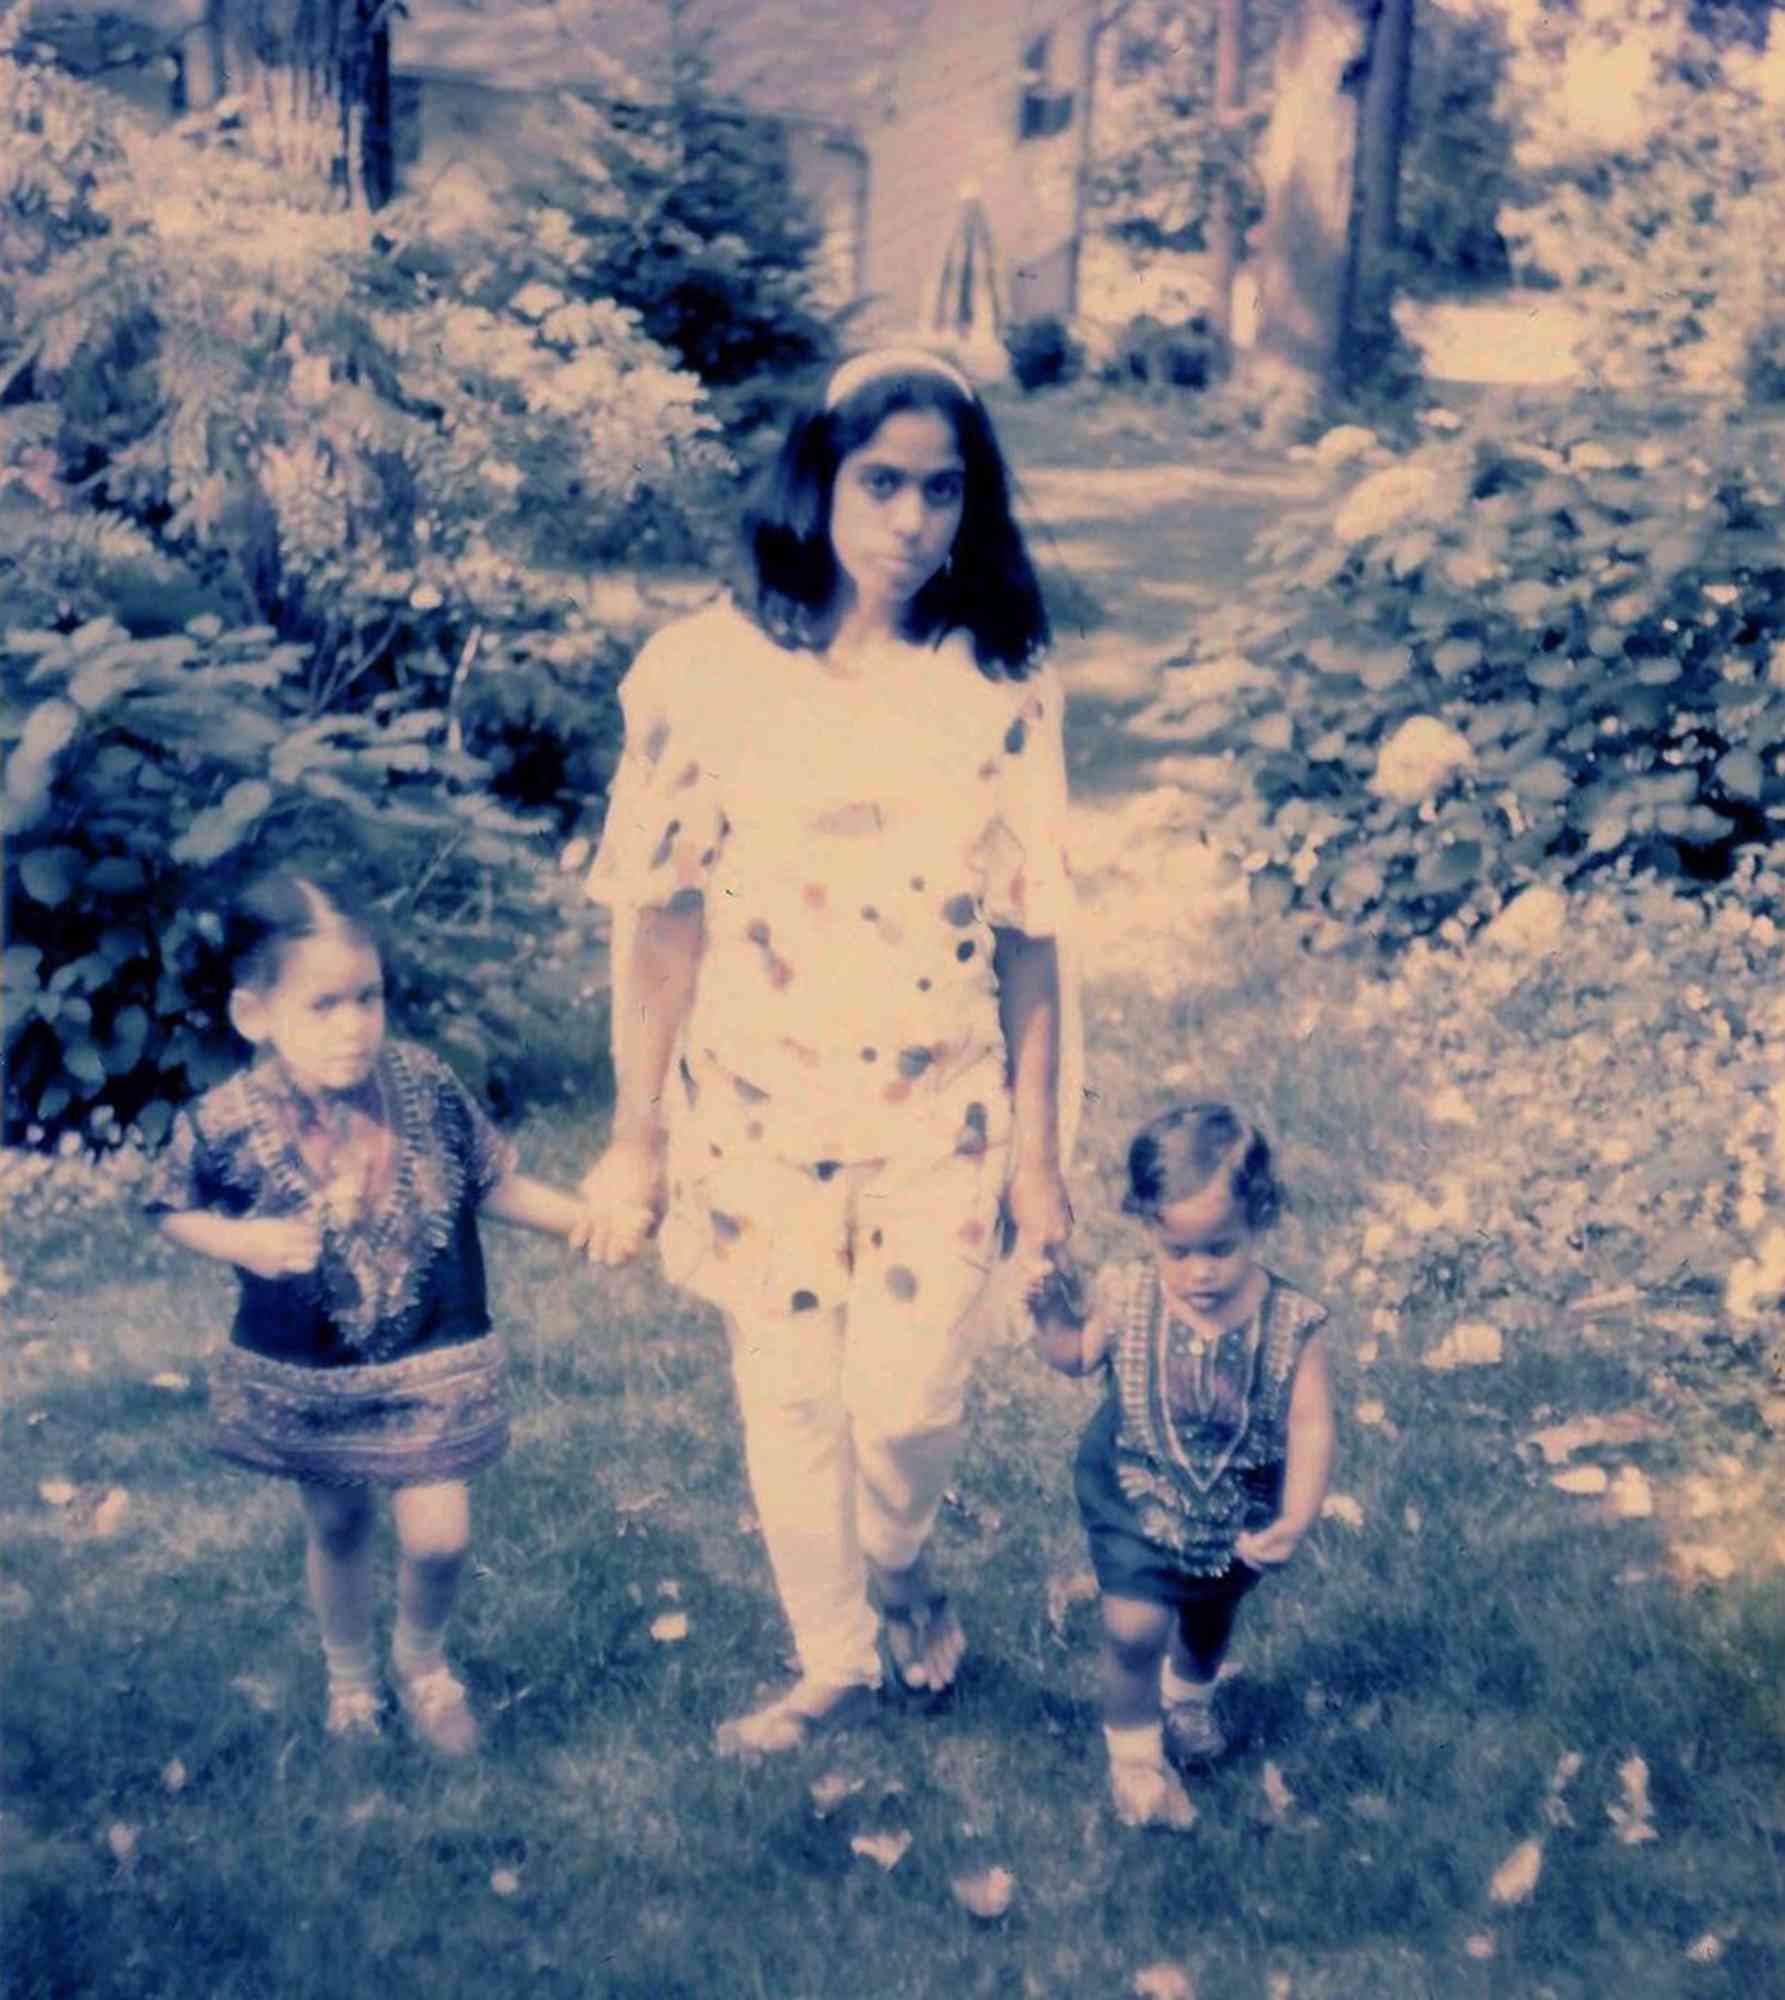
(1385, 500)
(1535, 921)
(1418, 758)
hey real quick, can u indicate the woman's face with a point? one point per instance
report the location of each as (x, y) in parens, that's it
(895, 510)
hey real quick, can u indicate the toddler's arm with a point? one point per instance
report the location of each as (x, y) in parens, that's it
(271, 1246)
(1307, 1468)
(531, 1204)
(1074, 1350)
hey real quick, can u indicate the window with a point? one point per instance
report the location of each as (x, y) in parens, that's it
(1043, 112)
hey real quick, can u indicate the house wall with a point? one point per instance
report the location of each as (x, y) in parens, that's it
(950, 129)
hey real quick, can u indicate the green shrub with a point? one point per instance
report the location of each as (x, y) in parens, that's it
(1042, 352)
(298, 541)
(1499, 660)
(1148, 352)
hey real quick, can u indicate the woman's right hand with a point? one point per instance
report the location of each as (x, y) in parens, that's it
(277, 1246)
(625, 1192)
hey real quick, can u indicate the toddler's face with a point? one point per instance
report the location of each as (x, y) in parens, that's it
(1205, 1250)
(324, 1014)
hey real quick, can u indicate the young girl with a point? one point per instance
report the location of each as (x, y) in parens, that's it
(1211, 1454)
(343, 1175)
(844, 1025)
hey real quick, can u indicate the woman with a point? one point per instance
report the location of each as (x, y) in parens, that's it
(834, 851)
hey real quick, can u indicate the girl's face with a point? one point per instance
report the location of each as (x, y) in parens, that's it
(895, 510)
(1205, 1249)
(324, 1014)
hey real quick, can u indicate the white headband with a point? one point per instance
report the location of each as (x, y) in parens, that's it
(860, 369)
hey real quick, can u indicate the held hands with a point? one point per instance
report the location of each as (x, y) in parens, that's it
(1269, 1547)
(277, 1246)
(624, 1195)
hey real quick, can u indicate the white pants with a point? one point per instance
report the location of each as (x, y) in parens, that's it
(852, 1411)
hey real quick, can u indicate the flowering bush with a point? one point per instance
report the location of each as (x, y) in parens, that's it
(1654, 155)
(296, 547)
(1501, 659)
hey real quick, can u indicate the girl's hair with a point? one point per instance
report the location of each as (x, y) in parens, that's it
(1181, 1151)
(279, 910)
(988, 589)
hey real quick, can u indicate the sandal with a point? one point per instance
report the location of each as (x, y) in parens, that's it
(1150, 1795)
(806, 1711)
(921, 1641)
(1192, 1735)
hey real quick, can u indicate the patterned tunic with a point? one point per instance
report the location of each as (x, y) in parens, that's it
(856, 839)
(1197, 1428)
(402, 1269)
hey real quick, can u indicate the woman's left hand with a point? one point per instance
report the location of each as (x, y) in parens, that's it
(1039, 1209)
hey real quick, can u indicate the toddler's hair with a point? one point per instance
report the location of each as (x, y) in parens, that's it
(1181, 1151)
(279, 910)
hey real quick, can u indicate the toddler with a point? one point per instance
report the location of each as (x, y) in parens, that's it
(1209, 1459)
(343, 1175)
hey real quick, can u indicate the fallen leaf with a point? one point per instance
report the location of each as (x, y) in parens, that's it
(173, 1776)
(1342, 1507)
(1705, 1949)
(1476, 1343)
(108, 1516)
(831, 1791)
(1164, 1981)
(1568, 1768)
(1371, 1412)
(1631, 1814)
(889, 1849)
(1695, 1561)
(1063, 1592)
(986, 1894)
(80, 1359)
(1632, 1498)
(368, 1808)
(1278, 1986)
(671, 1589)
(255, 1688)
(1277, 1795)
(1516, 1876)
(669, 1627)
(505, 1882)
(121, 1839)
(1582, 1479)
(56, 1492)
(1559, 1442)
(1480, 1944)
(1412, 1519)
(169, 1381)
(1371, 1806)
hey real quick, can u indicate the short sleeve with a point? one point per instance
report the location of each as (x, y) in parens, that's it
(665, 824)
(183, 1177)
(1028, 874)
(487, 1155)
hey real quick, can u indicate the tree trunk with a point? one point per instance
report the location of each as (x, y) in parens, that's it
(1224, 216)
(1381, 129)
(310, 80)
(1307, 166)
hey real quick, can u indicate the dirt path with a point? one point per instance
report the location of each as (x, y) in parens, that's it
(1149, 525)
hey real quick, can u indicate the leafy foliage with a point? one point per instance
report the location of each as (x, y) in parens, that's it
(377, 477)
(1042, 352)
(1494, 661)
(1653, 149)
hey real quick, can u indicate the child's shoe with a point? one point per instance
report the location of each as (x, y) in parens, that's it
(1150, 1795)
(435, 1708)
(353, 1713)
(1192, 1735)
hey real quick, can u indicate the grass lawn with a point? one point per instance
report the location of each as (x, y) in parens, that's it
(1471, 1677)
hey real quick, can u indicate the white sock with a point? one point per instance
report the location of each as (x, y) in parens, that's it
(1141, 1743)
(1174, 1690)
(351, 1666)
(414, 1653)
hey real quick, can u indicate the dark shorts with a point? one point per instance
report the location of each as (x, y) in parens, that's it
(1128, 1563)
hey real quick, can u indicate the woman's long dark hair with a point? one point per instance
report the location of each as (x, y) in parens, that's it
(989, 589)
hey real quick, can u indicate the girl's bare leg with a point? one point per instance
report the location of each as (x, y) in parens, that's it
(338, 1569)
(433, 1536)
